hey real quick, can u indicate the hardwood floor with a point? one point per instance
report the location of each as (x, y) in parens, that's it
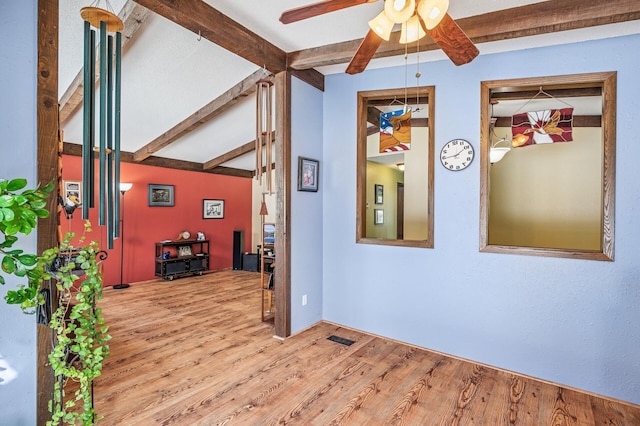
(194, 352)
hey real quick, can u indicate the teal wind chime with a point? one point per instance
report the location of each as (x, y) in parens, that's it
(107, 107)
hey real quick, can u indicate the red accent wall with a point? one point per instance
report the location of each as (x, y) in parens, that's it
(144, 225)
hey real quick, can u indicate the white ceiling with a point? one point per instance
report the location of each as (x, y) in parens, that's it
(169, 72)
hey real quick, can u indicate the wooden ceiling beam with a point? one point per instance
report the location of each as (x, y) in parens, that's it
(132, 15)
(534, 19)
(415, 122)
(233, 154)
(512, 93)
(578, 121)
(200, 18)
(208, 112)
(127, 157)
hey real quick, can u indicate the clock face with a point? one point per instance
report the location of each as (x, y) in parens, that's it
(457, 154)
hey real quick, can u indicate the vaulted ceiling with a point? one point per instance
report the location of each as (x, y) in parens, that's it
(190, 66)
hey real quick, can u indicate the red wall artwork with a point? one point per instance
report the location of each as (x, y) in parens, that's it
(145, 225)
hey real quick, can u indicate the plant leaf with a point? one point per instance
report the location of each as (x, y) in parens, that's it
(9, 215)
(16, 184)
(8, 265)
(28, 259)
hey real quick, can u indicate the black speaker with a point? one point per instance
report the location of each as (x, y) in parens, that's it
(238, 249)
(250, 262)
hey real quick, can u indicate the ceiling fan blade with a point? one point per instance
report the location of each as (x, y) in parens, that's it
(319, 8)
(453, 41)
(365, 52)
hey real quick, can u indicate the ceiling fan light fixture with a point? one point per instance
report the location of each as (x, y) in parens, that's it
(411, 30)
(399, 11)
(432, 11)
(382, 26)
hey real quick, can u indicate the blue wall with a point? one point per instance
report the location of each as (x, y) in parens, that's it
(306, 220)
(18, 59)
(569, 321)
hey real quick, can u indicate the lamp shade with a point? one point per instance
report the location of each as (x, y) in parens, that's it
(125, 186)
(382, 26)
(497, 153)
(411, 30)
(432, 11)
(399, 11)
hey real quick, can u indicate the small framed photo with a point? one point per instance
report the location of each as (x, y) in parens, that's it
(378, 216)
(308, 174)
(213, 209)
(184, 251)
(379, 194)
(73, 189)
(160, 195)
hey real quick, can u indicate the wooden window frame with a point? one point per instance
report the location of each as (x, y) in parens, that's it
(607, 81)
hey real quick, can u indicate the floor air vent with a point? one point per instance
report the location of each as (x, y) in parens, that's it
(341, 340)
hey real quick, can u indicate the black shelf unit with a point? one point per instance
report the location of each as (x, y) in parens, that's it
(187, 257)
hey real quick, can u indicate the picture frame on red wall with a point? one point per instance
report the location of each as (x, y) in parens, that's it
(212, 209)
(161, 195)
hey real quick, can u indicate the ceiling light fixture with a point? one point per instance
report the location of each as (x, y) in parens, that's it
(382, 26)
(496, 153)
(432, 11)
(409, 14)
(399, 11)
(411, 30)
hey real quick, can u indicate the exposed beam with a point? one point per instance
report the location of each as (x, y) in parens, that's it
(512, 93)
(310, 76)
(132, 15)
(415, 122)
(127, 157)
(578, 121)
(534, 19)
(233, 154)
(373, 116)
(200, 18)
(214, 108)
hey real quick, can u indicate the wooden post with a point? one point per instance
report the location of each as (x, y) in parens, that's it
(47, 157)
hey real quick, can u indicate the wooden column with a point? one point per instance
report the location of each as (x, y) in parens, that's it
(283, 203)
(47, 140)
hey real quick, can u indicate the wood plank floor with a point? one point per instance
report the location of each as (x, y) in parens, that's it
(194, 352)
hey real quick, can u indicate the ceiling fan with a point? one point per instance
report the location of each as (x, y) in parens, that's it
(417, 18)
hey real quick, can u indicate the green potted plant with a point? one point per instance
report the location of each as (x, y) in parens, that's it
(79, 334)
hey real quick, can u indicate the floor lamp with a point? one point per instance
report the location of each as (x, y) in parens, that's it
(124, 187)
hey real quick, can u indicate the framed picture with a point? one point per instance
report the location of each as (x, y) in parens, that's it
(160, 195)
(184, 251)
(378, 216)
(308, 174)
(73, 189)
(379, 194)
(213, 209)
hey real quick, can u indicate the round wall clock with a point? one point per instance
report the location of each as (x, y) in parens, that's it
(456, 154)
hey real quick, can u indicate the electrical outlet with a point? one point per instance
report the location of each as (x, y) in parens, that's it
(304, 299)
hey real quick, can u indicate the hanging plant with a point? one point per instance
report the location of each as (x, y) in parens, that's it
(81, 335)
(19, 212)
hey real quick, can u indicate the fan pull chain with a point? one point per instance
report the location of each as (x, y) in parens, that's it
(406, 68)
(418, 75)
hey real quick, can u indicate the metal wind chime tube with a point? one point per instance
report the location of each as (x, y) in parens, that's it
(87, 137)
(108, 149)
(264, 133)
(116, 142)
